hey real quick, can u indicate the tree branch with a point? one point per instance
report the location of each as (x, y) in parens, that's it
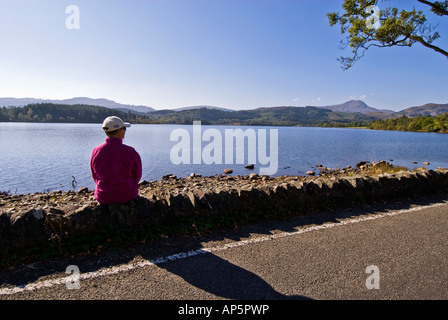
(428, 45)
(437, 9)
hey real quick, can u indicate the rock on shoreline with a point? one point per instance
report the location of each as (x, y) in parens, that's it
(32, 218)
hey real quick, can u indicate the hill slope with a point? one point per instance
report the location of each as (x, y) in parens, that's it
(354, 106)
(429, 109)
(21, 102)
(360, 115)
(281, 116)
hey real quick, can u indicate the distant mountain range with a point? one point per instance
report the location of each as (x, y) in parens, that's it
(20, 102)
(352, 106)
(431, 109)
(200, 107)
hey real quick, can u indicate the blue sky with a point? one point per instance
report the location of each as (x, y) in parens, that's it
(237, 54)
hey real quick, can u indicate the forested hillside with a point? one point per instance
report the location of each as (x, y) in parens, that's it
(428, 123)
(275, 116)
(48, 112)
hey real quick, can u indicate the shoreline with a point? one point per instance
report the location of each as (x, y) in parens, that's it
(316, 170)
(322, 126)
(41, 225)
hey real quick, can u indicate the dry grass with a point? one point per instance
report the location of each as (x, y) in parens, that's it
(382, 168)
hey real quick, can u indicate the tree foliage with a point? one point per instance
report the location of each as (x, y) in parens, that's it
(395, 27)
(48, 112)
(428, 123)
(275, 116)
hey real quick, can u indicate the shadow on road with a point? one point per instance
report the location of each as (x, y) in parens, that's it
(221, 278)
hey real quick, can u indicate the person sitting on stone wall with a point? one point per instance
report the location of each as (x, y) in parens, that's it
(116, 168)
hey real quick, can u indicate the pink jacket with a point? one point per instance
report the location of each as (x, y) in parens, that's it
(116, 169)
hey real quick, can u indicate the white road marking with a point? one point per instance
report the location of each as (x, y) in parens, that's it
(182, 255)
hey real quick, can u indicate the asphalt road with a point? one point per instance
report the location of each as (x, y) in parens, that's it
(388, 251)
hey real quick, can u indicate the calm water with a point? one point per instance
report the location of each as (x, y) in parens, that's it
(37, 157)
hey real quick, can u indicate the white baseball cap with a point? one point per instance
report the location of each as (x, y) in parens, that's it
(114, 123)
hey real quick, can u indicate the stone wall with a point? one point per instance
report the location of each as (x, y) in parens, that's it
(28, 220)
